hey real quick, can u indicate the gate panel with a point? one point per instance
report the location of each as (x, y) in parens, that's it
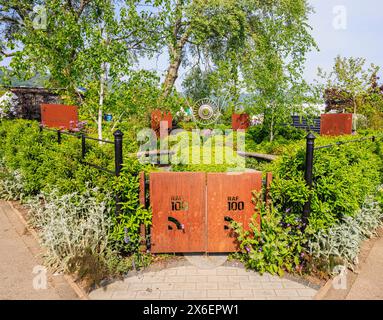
(178, 205)
(229, 197)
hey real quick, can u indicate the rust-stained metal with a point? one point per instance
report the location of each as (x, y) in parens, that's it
(142, 203)
(179, 219)
(229, 198)
(240, 121)
(157, 116)
(336, 124)
(269, 179)
(59, 116)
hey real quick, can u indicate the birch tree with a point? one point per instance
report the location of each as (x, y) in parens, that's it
(84, 42)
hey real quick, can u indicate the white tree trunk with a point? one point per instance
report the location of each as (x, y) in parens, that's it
(101, 100)
(272, 125)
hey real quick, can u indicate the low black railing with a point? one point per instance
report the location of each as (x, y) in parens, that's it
(118, 160)
(118, 136)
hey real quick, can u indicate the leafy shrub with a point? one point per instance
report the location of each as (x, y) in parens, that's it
(11, 185)
(276, 247)
(69, 199)
(71, 226)
(126, 226)
(343, 178)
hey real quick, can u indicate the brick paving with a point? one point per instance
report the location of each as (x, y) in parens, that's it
(192, 282)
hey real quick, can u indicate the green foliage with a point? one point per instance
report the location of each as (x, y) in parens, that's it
(341, 243)
(257, 139)
(126, 225)
(350, 78)
(45, 164)
(343, 178)
(53, 180)
(273, 247)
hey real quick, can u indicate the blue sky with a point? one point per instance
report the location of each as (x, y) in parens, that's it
(362, 36)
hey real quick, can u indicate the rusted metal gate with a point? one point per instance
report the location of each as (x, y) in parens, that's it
(229, 198)
(192, 210)
(178, 205)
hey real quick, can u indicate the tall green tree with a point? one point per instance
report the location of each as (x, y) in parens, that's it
(225, 37)
(273, 60)
(349, 77)
(84, 42)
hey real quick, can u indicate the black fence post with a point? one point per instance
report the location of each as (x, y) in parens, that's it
(118, 151)
(310, 138)
(58, 136)
(83, 146)
(118, 163)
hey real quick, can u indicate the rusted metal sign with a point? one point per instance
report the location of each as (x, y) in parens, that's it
(59, 116)
(336, 124)
(178, 204)
(157, 116)
(240, 121)
(229, 198)
(192, 210)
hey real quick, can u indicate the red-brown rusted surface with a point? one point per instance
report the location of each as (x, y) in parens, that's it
(156, 117)
(142, 202)
(178, 204)
(142, 188)
(336, 124)
(240, 121)
(229, 195)
(59, 116)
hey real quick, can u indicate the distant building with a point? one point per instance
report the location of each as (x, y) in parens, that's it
(25, 101)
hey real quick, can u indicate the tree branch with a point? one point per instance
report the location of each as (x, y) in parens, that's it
(7, 55)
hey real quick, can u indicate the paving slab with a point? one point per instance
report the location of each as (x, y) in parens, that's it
(368, 284)
(22, 273)
(204, 282)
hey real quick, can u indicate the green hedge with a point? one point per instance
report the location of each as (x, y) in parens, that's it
(45, 165)
(344, 177)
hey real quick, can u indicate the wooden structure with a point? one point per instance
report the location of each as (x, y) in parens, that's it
(29, 100)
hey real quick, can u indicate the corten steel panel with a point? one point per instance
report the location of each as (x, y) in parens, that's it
(229, 195)
(336, 124)
(178, 205)
(157, 116)
(59, 116)
(240, 121)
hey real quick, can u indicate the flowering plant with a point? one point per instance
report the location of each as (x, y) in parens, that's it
(8, 103)
(274, 246)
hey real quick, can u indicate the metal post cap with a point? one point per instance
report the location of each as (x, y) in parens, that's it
(310, 136)
(118, 133)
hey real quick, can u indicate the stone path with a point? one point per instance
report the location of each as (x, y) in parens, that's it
(369, 282)
(19, 258)
(366, 283)
(192, 282)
